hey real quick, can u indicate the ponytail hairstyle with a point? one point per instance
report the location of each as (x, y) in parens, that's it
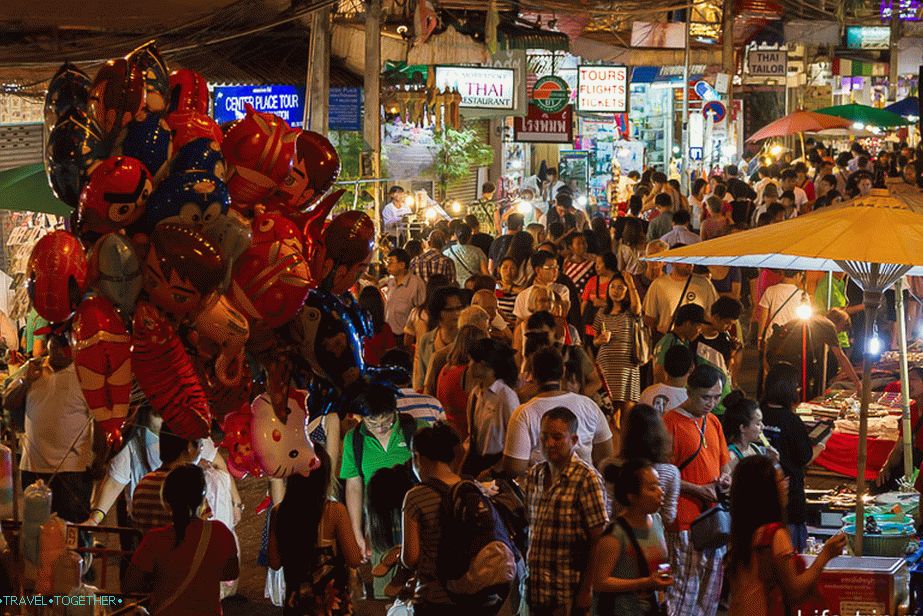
(738, 411)
(183, 490)
(625, 476)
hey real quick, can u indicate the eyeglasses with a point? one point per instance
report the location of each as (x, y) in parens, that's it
(550, 267)
(384, 423)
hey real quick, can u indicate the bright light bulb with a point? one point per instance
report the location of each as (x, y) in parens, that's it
(676, 149)
(858, 125)
(873, 347)
(456, 207)
(582, 200)
(804, 311)
(430, 213)
(408, 201)
(776, 150)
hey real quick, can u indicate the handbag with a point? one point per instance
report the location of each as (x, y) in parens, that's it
(640, 342)
(712, 529)
(606, 600)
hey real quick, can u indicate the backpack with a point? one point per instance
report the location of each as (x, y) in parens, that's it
(408, 426)
(476, 562)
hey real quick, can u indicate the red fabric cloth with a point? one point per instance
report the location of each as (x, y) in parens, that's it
(169, 565)
(841, 453)
(451, 393)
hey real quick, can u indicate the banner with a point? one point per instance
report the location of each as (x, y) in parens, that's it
(285, 101)
(541, 127)
(602, 89)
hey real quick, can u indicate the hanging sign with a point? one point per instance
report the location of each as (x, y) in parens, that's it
(715, 109)
(868, 37)
(345, 109)
(550, 94)
(542, 127)
(704, 91)
(480, 88)
(287, 102)
(767, 63)
(602, 89)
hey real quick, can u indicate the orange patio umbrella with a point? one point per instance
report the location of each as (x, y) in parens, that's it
(799, 123)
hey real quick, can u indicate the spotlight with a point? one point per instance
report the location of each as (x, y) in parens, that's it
(430, 214)
(408, 201)
(776, 150)
(804, 311)
(456, 207)
(873, 346)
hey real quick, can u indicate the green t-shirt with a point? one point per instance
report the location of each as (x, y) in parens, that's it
(374, 457)
(665, 344)
(33, 322)
(838, 299)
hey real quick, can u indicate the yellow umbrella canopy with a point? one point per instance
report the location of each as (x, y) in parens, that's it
(875, 239)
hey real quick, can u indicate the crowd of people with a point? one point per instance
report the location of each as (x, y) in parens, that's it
(593, 396)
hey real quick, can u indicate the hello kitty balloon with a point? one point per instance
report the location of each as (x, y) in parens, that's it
(282, 447)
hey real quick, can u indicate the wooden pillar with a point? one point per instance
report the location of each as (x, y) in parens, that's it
(319, 72)
(728, 62)
(895, 38)
(371, 126)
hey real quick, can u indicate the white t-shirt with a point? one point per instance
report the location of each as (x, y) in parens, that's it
(663, 397)
(127, 467)
(522, 433)
(663, 297)
(521, 307)
(774, 300)
(58, 426)
(492, 411)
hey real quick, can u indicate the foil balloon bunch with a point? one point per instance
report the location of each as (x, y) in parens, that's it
(198, 262)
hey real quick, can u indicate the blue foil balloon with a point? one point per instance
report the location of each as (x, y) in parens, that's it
(148, 140)
(199, 155)
(75, 146)
(68, 89)
(195, 199)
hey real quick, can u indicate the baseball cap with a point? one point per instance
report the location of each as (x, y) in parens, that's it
(690, 313)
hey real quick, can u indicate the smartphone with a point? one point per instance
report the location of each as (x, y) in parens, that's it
(664, 570)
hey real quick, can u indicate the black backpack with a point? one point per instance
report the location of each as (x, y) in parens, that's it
(476, 561)
(408, 426)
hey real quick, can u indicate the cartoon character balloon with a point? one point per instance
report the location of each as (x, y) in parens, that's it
(115, 195)
(74, 148)
(190, 125)
(241, 460)
(56, 275)
(188, 91)
(258, 149)
(147, 61)
(223, 332)
(116, 96)
(68, 89)
(233, 236)
(102, 357)
(165, 374)
(315, 168)
(347, 246)
(115, 270)
(196, 199)
(182, 270)
(282, 447)
(270, 282)
(149, 141)
(202, 155)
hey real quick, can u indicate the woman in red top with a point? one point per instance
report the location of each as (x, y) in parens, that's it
(453, 382)
(181, 565)
(371, 300)
(594, 294)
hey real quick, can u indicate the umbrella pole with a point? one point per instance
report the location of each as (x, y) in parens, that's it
(905, 377)
(823, 374)
(872, 300)
(803, 154)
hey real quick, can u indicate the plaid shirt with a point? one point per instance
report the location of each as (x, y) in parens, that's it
(560, 520)
(433, 262)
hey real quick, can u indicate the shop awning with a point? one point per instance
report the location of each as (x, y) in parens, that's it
(26, 189)
(656, 74)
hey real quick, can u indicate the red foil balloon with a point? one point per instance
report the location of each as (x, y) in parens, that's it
(115, 195)
(188, 91)
(102, 357)
(241, 458)
(223, 332)
(191, 125)
(116, 96)
(315, 168)
(166, 375)
(57, 275)
(182, 269)
(272, 227)
(258, 150)
(270, 282)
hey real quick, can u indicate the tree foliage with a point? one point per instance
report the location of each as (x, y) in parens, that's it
(457, 153)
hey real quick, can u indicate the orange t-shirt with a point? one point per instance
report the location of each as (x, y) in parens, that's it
(707, 465)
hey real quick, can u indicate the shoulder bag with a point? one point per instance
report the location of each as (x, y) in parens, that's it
(606, 600)
(200, 550)
(641, 341)
(712, 528)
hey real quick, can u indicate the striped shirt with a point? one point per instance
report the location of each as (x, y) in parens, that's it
(423, 503)
(580, 273)
(433, 262)
(420, 406)
(505, 303)
(148, 509)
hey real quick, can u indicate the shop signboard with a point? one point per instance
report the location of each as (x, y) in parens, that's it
(602, 89)
(345, 109)
(868, 37)
(480, 87)
(543, 127)
(550, 94)
(285, 101)
(765, 63)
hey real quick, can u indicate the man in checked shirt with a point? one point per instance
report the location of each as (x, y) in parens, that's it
(567, 514)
